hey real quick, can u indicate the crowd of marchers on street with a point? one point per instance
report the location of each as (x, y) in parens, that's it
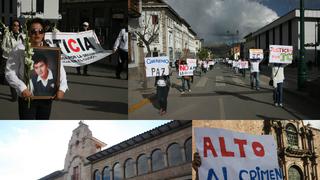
(240, 65)
(33, 84)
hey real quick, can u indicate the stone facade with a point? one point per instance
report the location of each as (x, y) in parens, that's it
(298, 144)
(85, 160)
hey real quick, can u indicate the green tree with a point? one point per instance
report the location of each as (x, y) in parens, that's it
(203, 53)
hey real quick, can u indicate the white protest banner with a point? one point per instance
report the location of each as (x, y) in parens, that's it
(157, 66)
(229, 155)
(256, 53)
(211, 63)
(185, 70)
(77, 49)
(280, 54)
(235, 64)
(192, 62)
(243, 64)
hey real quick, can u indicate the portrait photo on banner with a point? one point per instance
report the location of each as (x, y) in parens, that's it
(44, 78)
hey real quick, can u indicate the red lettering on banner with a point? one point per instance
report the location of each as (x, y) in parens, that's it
(241, 143)
(224, 151)
(207, 145)
(258, 149)
(183, 68)
(70, 42)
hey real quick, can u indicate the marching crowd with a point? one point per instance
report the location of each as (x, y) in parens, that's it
(203, 66)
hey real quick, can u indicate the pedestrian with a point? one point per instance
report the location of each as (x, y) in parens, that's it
(163, 86)
(242, 66)
(31, 108)
(11, 39)
(85, 27)
(121, 44)
(185, 80)
(277, 77)
(254, 73)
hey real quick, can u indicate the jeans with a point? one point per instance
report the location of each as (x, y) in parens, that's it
(39, 109)
(124, 61)
(162, 95)
(278, 93)
(254, 77)
(183, 84)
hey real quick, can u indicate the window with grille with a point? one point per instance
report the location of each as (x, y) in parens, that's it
(294, 173)
(292, 135)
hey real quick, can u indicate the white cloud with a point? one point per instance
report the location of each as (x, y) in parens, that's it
(38, 148)
(313, 123)
(211, 19)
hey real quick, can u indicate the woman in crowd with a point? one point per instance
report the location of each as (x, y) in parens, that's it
(163, 86)
(34, 108)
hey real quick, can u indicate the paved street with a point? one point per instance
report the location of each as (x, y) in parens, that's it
(221, 94)
(98, 96)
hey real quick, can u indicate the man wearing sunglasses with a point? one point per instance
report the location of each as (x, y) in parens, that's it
(38, 108)
(10, 41)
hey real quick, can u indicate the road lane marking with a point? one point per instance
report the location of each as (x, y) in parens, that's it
(219, 82)
(221, 108)
(202, 82)
(139, 105)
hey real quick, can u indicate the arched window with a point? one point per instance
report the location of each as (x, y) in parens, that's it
(106, 173)
(129, 170)
(157, 161)
(188, 149)
(142, 164)
(117, 172)
(295, 173)
(292, 135)
(97, 175)
(174, 154)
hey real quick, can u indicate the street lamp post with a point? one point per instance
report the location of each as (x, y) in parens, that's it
(302, 69)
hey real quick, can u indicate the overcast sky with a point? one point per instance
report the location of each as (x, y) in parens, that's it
(30, 150)
(218, 21)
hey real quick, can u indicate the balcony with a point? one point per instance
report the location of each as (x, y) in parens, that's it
(134, 8)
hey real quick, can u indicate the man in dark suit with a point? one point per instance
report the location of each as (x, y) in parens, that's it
(43, 81)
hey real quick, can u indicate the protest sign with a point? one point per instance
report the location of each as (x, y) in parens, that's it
(157, 66)
(280, 54)
(243, 64)
(77, 49)
(256, 53)
(235, 64)
(230, 155)
(187, 69)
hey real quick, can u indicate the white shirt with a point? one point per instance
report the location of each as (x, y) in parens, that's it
(15, 71)
(254, 66)
(277, 75)
(122, 41)
(9, 43)
(43, 81)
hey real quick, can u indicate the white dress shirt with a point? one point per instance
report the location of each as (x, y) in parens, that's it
(15, 70)
(277, 75)
(121, 41)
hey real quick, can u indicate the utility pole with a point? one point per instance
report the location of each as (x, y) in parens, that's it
(302, 69)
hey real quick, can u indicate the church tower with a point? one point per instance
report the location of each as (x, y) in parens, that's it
(81, 145)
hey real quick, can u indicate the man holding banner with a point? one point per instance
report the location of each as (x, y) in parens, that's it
(122, 45)
(159, 67)
(256, 56)
(85, 27)
(280, 56)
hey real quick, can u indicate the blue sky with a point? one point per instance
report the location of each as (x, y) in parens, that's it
(42, 145)
(214, 18)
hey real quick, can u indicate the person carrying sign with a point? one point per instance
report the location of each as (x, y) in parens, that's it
(36, 108)
(254, 73)
(185, 79)
(163, 86)
(277, 77)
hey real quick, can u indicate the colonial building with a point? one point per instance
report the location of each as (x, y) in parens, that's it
(161, 153)
(173, 33)
(285, 31)
(298, 145)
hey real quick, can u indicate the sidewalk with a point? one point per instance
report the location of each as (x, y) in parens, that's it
(291, 81)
